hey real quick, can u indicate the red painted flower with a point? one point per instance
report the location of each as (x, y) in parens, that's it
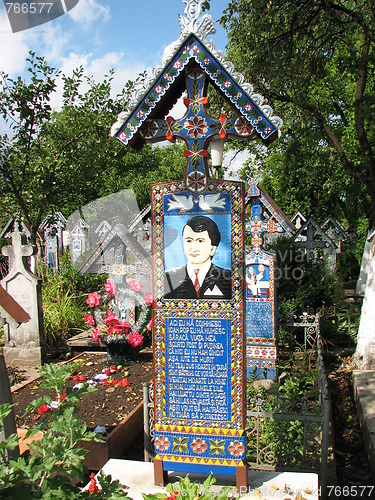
(135, 285)
(135, 339)
(43, 409)
(89, 320)
(236, 448)
(148, 298)
(199, 446)
(110, 287)
(93, 299)
(196, 127)
(162, 443)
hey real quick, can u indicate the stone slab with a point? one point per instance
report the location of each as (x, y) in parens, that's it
(23, 356)
(139, 478)
(364, 395)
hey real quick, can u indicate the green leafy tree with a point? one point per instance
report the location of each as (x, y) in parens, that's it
(314, 62)
(62, 160)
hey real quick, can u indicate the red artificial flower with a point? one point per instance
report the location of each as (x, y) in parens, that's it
(124, 382)
(95, 334)
(148, 298)
(93, 487)
(62, 397)
(43, 409)
(110, 287)
(89, 320)
(135, 285)
(114, 329)
(111, 319)
(93, 299)
(135, 339)
(150, 325)
(124, 325)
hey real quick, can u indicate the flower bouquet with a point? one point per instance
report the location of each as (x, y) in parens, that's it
(120, 338)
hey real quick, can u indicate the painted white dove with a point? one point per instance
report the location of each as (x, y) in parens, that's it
(181, 203)
(210, 201)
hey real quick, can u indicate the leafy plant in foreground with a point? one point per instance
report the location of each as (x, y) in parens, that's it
(53, 466)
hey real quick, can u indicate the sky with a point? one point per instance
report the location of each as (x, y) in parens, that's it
(128, 36)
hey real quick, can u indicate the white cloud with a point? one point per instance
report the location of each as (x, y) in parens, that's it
(14, 48)
(88, 11)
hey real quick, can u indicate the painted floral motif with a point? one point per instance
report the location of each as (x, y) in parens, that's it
(199, 446)
(236, 448)
(162, 443)
(180, 444)
(217, 447)
(196, 127)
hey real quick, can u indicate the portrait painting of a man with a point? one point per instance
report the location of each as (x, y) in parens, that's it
(199, 277)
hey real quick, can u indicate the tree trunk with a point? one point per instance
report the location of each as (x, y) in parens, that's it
(364, 356)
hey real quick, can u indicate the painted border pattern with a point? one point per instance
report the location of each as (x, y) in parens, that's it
(200, 441)
(193, 49)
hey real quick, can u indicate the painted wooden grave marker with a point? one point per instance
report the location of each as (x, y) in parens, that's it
(263, 218)
(198, 255)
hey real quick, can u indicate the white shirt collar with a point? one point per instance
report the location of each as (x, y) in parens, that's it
(203, 270)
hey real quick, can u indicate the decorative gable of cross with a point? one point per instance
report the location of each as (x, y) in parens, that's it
(190, 64)
(197, 129)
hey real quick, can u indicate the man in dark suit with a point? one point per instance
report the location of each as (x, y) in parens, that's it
(199, 278)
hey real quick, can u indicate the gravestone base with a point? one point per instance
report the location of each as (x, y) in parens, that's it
(161, 475)
(23, 356)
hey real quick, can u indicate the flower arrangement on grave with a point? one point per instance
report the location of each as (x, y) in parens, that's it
(110, 331)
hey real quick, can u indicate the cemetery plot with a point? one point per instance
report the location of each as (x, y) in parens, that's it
(105, 407)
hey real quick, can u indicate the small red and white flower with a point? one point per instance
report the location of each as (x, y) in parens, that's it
(89, 319)
(199, 446)
(135, 285)
(162, 443)
(93, 299)
(110, 287)
(236, 448)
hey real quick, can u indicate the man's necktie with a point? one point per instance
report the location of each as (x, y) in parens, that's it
(196, 282)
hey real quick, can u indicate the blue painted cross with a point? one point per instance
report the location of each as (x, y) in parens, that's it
(197, 129)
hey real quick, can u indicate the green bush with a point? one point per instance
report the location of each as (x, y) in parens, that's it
(53, 468)
(64, 300)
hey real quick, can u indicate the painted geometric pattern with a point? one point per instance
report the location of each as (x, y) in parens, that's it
(193, 49)
(261, 351)
(230, 311)
(198, 448)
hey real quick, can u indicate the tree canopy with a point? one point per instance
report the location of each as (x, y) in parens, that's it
(61, 160)
(314, 62)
